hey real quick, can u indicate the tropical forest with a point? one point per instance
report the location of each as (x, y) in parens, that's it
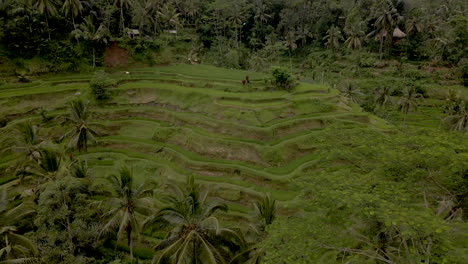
(234, 131)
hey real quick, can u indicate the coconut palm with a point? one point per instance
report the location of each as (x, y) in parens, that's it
(50, 165)
(169, 16)
(122, 4)
(333, 37)
(196, 236)
(350, 92)
(458, 119)
(47, 8)
(290, 41)
(409, 101)
(26, 141)
(88, 32)
(355, 35)
(382, 96)
(14, 248)
(384, 24)
(81, 134)
(127, 199)
(72, 8)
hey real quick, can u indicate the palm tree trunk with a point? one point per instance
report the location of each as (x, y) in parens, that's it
(47, 23)
(74, 27)
(130, 241)
(94, 58)
(122, 19)
(290, 61)
(381, 47)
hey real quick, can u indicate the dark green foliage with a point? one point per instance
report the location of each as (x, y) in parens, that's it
(282, 79)
(100, 86)
(68, 227)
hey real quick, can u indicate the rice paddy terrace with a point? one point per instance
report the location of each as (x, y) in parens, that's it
(174, 121)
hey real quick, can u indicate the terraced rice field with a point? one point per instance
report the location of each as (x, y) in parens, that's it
(170, 122)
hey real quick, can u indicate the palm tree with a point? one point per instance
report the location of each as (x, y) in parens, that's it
(26, 141)
(88, 31)
(72, 8)
(50, 165)
(121, 4)
(458, 119)
(14, 248)
(261, 12)
(26, 144)
(196, 236)
(385, 22)
(350, 92)
(383, 97)
(409, 101)
(169, 16)
(290, 40)
(126, 201)
(355, 35)
(333, 37)
(81, 133)
(47, 8)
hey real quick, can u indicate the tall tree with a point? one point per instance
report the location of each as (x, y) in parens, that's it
(127, 199)
(81, 134)
(47, 8)
(122, 4)
(386, 19)
(89, 32)
(72, 8)
(409, 101)
(333, 37)
(196, 236)
(458, 119)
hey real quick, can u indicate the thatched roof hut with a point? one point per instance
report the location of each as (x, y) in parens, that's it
(397, 33)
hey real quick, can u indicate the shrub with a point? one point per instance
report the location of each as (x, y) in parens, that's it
(463, 69)
(100, 85)
(282, 79)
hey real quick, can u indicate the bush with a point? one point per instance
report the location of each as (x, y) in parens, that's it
(100, 85)
(282, 79)
(463, 70)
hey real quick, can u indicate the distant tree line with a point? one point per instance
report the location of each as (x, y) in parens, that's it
(63, 30)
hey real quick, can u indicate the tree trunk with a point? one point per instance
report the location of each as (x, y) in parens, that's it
(130, 241)
(381, 47)
(290, 61)
(94, 58)
(47, 23)
(74, 27)
(122, 19)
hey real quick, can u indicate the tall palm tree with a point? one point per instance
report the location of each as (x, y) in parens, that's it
(47, 8)
(122, 4)
(383, 97)
(261, 12)
(290, 41)
(333, 37)
(196, 236)
(355, 35)
(89, 32)
(81, 134)
(384, 24)
(409, 101)
(169, 16)
(72, 8)
(127, 199)
(458, 119)
(350, 92)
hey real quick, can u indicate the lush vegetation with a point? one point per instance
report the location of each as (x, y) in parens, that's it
(205, 131)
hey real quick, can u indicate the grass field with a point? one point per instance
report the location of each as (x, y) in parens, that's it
(173, 121)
